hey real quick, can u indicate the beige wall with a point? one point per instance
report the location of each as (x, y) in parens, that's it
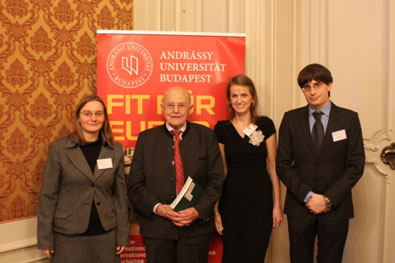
(353, 38)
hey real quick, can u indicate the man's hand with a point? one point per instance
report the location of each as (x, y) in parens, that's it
(167, 212)
(317, 205)
(181, 218)
(186, 217)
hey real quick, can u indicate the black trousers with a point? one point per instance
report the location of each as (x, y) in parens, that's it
(184, 250)
(331, 239)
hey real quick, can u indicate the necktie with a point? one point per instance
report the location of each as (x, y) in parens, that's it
(178, 161)
(318, 130)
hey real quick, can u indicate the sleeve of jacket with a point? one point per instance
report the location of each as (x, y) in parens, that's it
(355, 163)
(138, 194)
(285, 160)
(120, 200)
(48, 198)
(215, 178)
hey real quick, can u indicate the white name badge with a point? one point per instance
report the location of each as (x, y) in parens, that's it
(250, 129)
(339, 135)
(104, 163)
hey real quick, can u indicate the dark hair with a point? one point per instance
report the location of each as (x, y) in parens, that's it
(242, 80)
(316, 72)
(105, 129)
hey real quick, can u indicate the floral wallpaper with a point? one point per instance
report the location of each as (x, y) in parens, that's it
(47, 63)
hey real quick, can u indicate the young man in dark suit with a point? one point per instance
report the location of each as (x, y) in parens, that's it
(171, 236)
(320, 158)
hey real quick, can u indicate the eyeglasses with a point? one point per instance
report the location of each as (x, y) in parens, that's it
(307, 87)
(172, 106)
(89, 114)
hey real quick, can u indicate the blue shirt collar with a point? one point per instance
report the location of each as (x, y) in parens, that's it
(325, 110)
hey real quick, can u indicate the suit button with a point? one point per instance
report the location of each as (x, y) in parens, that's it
(98, 203)
(172, 179)
(173, 196)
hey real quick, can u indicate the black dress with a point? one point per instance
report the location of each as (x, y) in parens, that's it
(246, 205)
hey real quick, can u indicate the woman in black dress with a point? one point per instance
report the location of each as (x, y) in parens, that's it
(250, 205)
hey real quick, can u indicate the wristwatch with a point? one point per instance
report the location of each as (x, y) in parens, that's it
(328, 202)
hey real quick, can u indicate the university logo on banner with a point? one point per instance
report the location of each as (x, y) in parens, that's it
(129, 65)
(135, 68)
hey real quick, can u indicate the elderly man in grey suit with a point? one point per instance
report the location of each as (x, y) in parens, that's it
(161, 155)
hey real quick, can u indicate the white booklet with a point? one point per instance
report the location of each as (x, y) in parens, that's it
(188, 196)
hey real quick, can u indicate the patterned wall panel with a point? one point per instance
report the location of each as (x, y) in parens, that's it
(47, 63)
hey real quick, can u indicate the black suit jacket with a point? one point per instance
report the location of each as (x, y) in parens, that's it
(152, 178)
(332, 172)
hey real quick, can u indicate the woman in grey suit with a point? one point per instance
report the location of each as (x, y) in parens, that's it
(82, 212)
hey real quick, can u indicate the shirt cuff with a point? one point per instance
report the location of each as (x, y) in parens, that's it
(307, 197)
(156, 207)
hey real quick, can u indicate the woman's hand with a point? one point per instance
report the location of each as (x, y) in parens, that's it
(277, 216)
(48, 252)
(218, 223)
(120, 249)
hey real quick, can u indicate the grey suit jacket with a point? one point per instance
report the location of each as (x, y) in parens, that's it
(152, 178)
(69, 188)
(332, 172)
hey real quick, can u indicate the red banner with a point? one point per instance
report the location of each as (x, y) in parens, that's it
(135, 68)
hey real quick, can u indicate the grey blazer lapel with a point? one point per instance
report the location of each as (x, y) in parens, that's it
(105, 152)
(78, 159)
